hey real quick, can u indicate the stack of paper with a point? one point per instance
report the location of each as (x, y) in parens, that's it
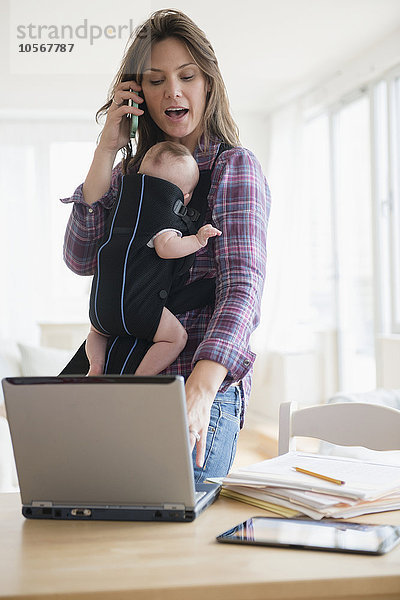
(274, 484)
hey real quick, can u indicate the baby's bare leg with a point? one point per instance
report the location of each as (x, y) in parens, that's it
(96, 345)
(169, 341)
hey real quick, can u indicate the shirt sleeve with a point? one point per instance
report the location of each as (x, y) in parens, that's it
(86, 226)
(150, 243)
(241, 211)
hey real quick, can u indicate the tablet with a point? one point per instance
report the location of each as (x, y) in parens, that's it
(333, 536)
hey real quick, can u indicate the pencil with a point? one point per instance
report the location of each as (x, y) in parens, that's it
(325, 477)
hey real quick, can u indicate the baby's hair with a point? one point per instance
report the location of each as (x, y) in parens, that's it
(156, 152)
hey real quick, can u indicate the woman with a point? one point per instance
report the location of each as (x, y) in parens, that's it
(182, 98)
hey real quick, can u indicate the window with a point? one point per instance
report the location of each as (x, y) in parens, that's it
(69, 164)
(36, 170)
(336, 186)
(18, 242)
(381, 206)
(353, 245)
(394, 146)
(316, 182)
(351, 155)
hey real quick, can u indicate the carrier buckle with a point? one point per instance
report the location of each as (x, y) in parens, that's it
(184, 211)
(180, 209)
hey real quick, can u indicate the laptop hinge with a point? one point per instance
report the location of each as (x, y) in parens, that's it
(41, 503)
(174, 507)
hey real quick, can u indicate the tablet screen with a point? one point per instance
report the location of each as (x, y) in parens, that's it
(314, 535)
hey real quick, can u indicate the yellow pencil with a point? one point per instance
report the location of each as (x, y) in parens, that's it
(331, 479)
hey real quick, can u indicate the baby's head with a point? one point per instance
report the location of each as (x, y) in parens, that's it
(174, 163)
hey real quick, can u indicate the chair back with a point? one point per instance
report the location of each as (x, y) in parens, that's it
(346, 423)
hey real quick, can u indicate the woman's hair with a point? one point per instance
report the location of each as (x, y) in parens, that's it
(161, 25)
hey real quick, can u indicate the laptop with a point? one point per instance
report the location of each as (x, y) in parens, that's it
(104, 448)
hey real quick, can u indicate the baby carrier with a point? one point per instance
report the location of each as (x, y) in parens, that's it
(132, 283)
(129, 227)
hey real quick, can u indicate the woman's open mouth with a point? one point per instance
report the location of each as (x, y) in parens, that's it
(176, 114)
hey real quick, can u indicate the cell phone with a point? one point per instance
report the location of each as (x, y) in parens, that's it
(134, 118)
(307, 534)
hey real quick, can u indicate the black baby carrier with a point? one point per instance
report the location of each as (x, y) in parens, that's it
(132, 283)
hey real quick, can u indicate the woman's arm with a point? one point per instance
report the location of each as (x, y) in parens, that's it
(86, 224)
(201, 388)
(98, 179)
(241, 207)
(240, 210)
(115, 136)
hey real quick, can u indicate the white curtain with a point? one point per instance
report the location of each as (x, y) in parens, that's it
(285, 303)
(40, 162)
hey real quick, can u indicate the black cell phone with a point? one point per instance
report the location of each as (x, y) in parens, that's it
(332, 536)
(134, 119)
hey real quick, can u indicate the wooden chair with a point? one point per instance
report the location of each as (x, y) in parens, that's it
(347, 423)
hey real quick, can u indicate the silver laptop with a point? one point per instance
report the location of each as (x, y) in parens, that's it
(112, 448)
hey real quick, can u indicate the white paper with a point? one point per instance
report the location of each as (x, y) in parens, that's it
(363, 480)
(312, 499)
(313, 514)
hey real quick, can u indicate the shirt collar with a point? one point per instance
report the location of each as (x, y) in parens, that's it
(205, 156)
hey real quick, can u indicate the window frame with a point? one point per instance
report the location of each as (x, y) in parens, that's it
(393, 83)
(385, 209)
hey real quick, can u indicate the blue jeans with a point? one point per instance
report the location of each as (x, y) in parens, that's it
(223, 431)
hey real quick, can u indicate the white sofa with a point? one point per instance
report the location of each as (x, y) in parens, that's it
(18, 359)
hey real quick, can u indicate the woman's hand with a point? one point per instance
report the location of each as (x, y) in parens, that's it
(201, 388)
(115, 134)
(198, 407)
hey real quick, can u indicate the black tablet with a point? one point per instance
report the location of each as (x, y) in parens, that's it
(306, 534)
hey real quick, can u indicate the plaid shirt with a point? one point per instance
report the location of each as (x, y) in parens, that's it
(238, 205)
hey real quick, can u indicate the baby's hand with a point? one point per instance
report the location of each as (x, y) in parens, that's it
(206, 232)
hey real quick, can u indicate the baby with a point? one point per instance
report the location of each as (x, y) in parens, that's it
(174, 163)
